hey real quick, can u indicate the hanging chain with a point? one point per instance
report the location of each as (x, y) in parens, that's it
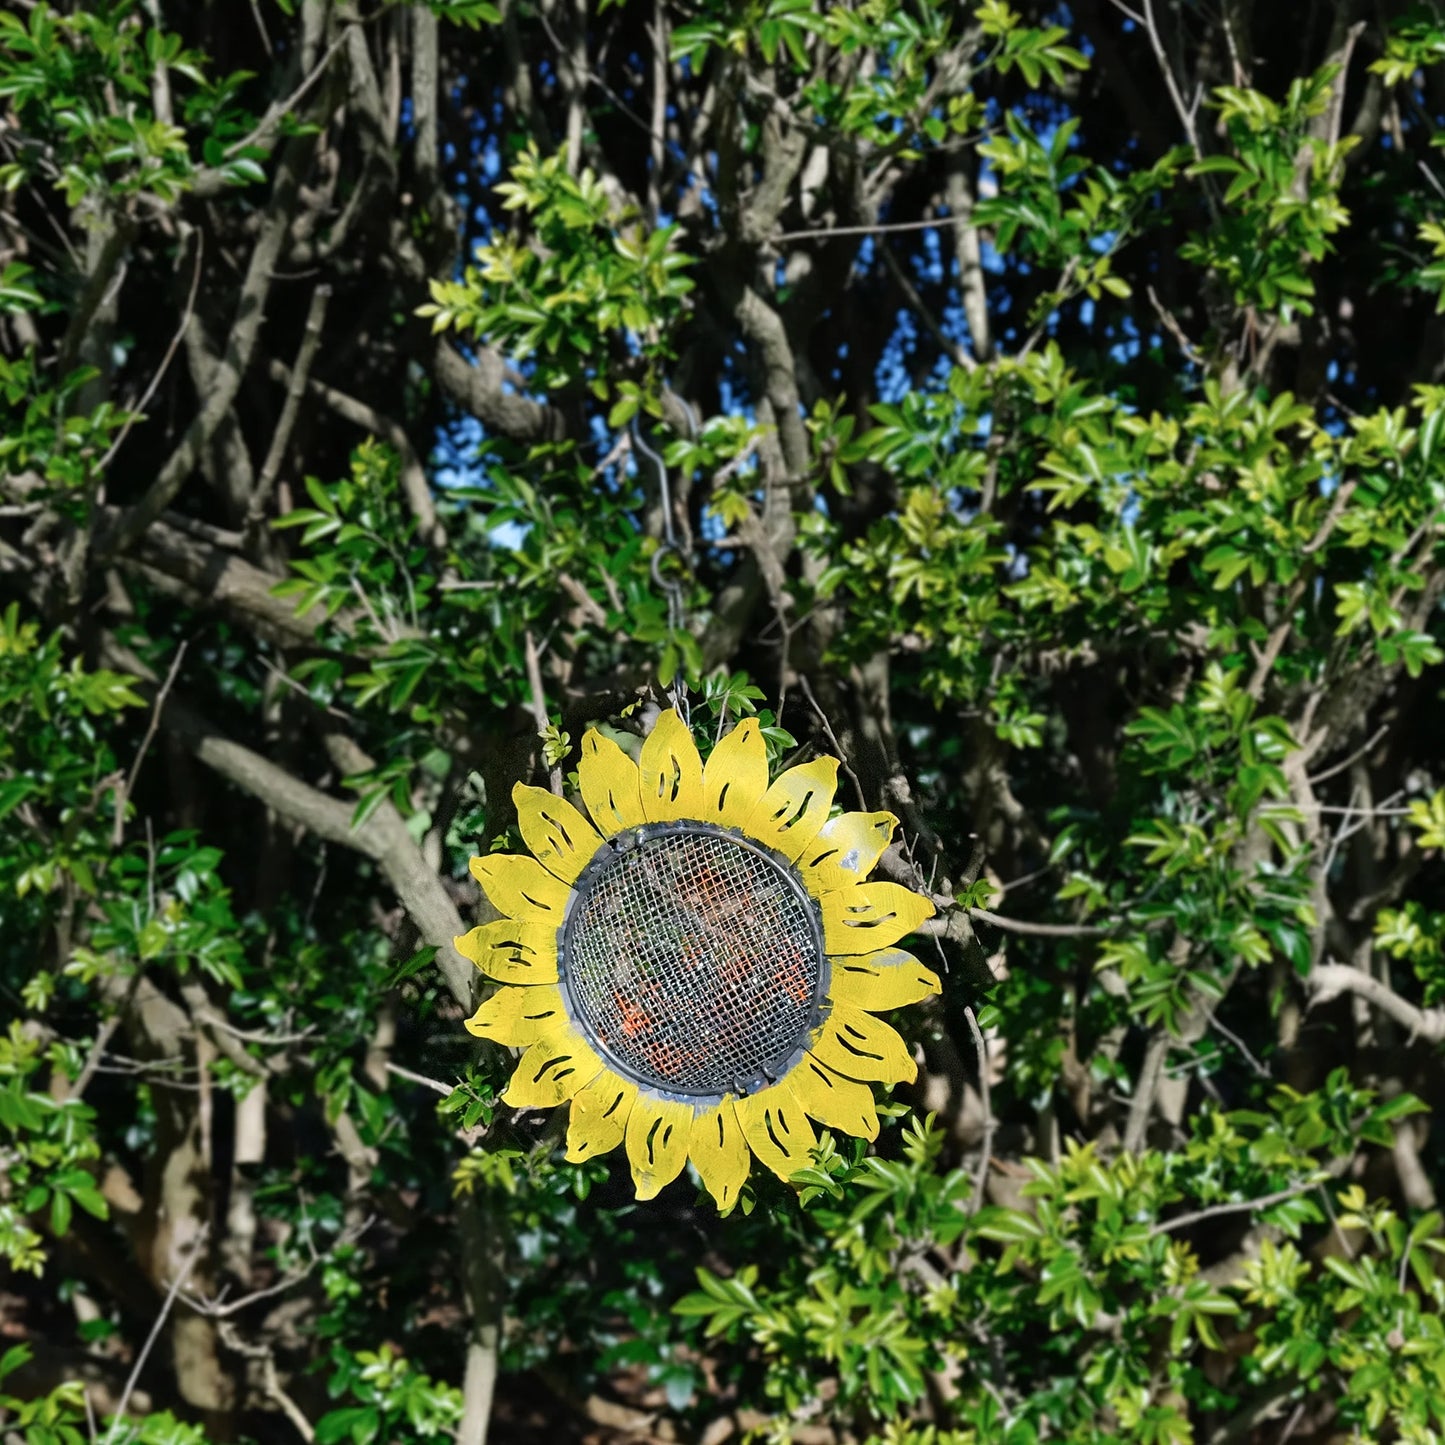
(670, 549)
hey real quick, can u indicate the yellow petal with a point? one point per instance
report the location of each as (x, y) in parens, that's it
(777, 1129)
(658, 1132)
(720, 1153)
(792, 812)
(513, 952)
(846, 850)
(736, 776)
(871, 916)
(520, 1015)
(887, 979)
(671, 771)
(833, 1100)
(552, 1071)
(520, 887)
(599, 1116)
(608, 779)
(859, 1046)
(559, 837)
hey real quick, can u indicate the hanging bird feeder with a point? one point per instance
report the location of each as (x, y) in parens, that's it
(696, 969)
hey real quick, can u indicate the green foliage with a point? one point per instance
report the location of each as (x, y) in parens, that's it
(901, 1287)
(394, 1400)
(857, 1298)
(46, 1146)
(57, 775)
(81, 85)
(61, 1418)
(1057, 208)
(471, 13)
(1282, 201)
(1090, 505)
(593, 271)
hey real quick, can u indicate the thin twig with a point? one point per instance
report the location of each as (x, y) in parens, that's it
(980, 1182)
(220, 1308)
(261, 27)
(118, 833)
(875, 229)
(593, 78)
(177, 1285)
(1045, 930)
(539, 703)
(1382, 811)
(1171, 324)
(1186, 112)
(1240, 1044)
(1243, 1206)
(951, 348)
(231, 1338)
(291, 407)
(136, 412)
(296, 687)
(282, 107)
(1342, 496)
(436, 1085)
(1314, 779)
(833, 738)
(252, 1036)
(88, 1069)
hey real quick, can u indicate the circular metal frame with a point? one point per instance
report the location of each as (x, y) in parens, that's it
(598, 867)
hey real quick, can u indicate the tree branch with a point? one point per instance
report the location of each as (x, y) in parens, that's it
(215, 577)
(383, 837)
(477, 388)
(414, 485)
(240, 346)
(1240, 1206)
(1145, 1088)
(290, 408)
(1327, 981)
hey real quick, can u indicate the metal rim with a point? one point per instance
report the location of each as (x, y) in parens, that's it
(599, 866)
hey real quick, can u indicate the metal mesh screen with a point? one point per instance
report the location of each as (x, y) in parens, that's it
(693, 960)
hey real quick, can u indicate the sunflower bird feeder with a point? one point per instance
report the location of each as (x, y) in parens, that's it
(696, 969)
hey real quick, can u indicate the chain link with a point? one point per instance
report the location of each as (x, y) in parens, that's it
(669, 549)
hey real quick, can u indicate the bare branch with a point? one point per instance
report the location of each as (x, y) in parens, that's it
(1242, 1206)
(291, 407)
(1047, 930)
(177, 1284)
(213, 181)
(383, 837)
(414, 485)
(1187, 113)
(985, 1148)
(128, 787)
(1145, 1088)
(477, 388)
(658, 137)
(833, 738)
(539, 703)
(240, 346)
(139, 409)
(951, 348)
(1329, 980)
(435, 1085)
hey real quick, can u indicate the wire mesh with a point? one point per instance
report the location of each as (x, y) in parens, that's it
(693, 960)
